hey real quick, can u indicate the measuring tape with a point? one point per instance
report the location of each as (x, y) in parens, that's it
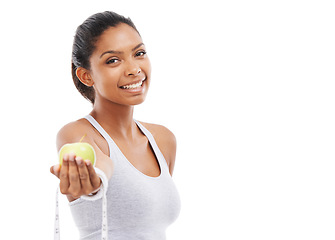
(100, 194)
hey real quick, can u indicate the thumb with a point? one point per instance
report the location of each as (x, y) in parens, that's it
(55, 170)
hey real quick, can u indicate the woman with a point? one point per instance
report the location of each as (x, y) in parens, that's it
(110, 68)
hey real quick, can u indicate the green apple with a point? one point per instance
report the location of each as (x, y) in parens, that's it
(80, 149)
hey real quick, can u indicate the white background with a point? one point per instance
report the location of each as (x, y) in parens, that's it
(246, 86)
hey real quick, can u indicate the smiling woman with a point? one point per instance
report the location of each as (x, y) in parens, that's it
(134, 160)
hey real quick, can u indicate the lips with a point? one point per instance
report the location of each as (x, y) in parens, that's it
(133, 85)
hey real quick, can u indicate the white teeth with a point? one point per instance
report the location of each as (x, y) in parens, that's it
(132, 86)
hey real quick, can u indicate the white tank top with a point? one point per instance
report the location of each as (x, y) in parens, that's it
(138, 206)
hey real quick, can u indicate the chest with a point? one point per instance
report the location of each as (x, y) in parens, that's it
(142, 157)
(140, 154)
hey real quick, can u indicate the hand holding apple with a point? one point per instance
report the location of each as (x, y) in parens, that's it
(76, 170)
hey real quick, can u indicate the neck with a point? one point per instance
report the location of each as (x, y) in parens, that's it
(116, 119)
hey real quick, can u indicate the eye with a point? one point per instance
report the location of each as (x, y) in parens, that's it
(141, 53)
(112, 61)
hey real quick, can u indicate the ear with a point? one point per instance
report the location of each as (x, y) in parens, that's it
(84, 76)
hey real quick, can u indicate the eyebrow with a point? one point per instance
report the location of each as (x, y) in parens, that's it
(119, 52)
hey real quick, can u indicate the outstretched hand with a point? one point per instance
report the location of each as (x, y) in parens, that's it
(77, 177)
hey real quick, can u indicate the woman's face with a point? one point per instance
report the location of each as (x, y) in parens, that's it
(120, 67)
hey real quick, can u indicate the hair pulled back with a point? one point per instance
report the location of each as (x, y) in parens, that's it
(86, 36)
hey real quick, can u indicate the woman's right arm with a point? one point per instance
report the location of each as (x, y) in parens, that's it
(77, 176)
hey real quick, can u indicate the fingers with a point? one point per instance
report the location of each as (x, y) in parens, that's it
(75, 183)
(84, 176)
(94, 178)
(77, 177)
(64, 175)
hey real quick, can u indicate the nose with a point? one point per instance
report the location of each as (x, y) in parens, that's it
(132, 69)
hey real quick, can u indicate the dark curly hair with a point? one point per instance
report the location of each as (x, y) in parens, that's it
(86, 36)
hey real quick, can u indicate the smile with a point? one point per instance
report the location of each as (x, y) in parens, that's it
(133, 86)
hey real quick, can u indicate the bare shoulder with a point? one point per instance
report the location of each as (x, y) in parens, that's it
(160, 132)
(165, 140)
(73, 132)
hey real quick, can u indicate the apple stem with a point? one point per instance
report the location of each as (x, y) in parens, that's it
(82, 138)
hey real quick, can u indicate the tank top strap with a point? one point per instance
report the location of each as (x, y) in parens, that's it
(159, 155)
(103, 133)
